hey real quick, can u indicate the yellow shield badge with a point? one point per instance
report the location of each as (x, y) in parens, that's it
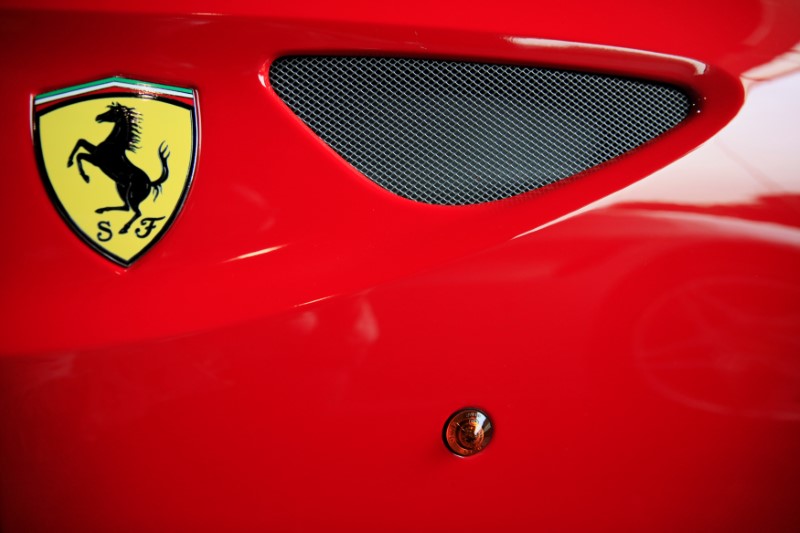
(117, 157)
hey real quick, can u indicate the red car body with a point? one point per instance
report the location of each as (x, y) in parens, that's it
(286, 356)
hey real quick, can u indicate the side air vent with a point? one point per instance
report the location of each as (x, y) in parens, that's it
(456, 133)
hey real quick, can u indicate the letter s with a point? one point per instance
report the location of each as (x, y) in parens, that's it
(104, 233)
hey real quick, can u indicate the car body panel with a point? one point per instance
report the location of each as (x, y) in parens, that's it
(286, 355)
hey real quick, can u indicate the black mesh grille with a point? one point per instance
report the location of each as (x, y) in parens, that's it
(455, 133)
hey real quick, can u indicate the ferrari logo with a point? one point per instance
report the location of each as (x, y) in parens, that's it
(117, 157)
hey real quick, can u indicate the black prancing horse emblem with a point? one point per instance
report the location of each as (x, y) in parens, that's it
(126, 139)
(133, 185)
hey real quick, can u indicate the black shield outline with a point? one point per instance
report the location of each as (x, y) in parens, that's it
(62, 211)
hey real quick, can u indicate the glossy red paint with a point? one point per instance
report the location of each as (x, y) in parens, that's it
(287, 355)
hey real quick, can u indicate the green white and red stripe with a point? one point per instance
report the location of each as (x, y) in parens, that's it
(116, 85)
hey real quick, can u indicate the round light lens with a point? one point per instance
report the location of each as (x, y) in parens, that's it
(467, 432)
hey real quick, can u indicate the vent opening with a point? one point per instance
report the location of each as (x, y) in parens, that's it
(457, 133)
